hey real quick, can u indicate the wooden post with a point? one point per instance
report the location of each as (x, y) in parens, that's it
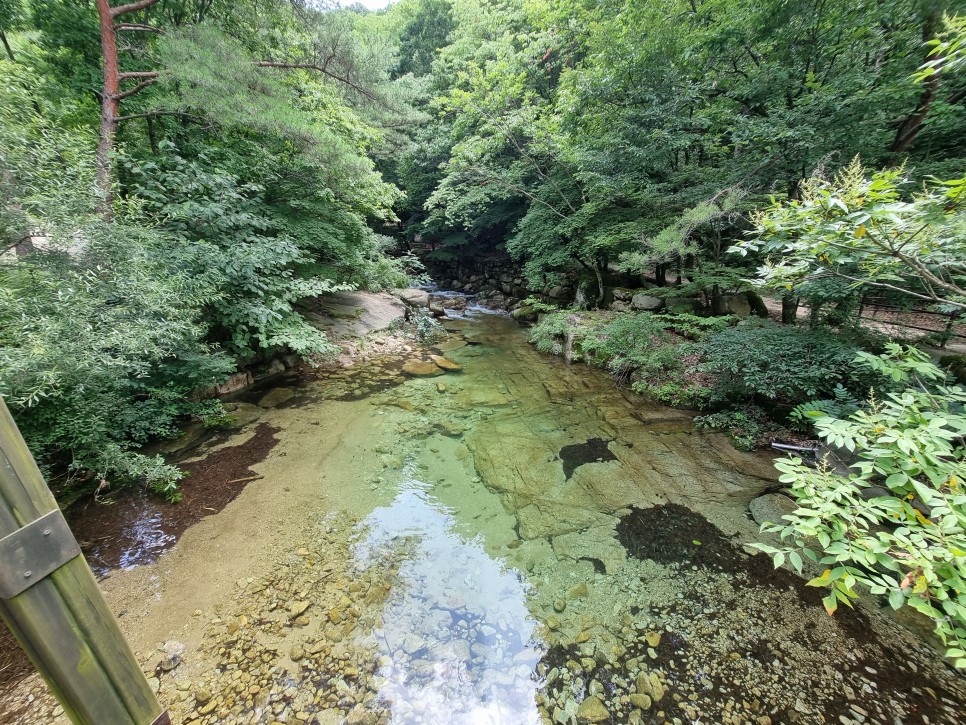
(62, 620)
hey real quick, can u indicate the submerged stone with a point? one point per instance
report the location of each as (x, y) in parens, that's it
(421, 368)
(445, 363)
(771, 508)
(276, 396)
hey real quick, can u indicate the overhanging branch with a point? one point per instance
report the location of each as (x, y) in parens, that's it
(131, 7)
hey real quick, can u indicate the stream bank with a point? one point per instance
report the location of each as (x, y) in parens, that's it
(516, 541)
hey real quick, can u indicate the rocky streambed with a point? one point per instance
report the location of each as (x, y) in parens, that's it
(498, 539)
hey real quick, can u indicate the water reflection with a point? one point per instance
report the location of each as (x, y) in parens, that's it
(457, 643)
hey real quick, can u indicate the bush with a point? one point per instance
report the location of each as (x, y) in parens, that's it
(910, 543)
(781, 363)
(749, 428)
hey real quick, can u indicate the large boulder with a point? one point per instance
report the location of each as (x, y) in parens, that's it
(682, 304)
(735, 305)
(524, 313)
(771, 507)
(412, 297)
(623, 294)
(641, 301)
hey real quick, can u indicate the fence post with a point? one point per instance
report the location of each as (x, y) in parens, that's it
(50, 600)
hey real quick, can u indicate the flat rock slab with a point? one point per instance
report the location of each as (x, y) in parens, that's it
(242, 414)
(771, 507)
(355, 314)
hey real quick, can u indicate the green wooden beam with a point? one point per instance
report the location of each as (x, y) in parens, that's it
(62, 621)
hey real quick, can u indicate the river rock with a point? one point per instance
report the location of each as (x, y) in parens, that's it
(525, 313)
(297, 608)
(445, 363)
(412, 297)
(771, 508)
(592, 710)
(242, 414)
(735, 305)
(276, 396)
(641, 702)
(682, 304)
(421, 368)
(236, 381)
(191, 435)
(452, 344)
(871, 492)
(642, 301)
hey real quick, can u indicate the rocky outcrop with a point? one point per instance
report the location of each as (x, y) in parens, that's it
(641, 301)
(771, 507)
(412, 296)
(354, 314)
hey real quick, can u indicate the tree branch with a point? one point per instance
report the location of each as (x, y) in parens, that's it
(515, 187)
(138, 26)
(138, 74)
(153, 114)
(131, 7)
(323, 70)
(137, 89)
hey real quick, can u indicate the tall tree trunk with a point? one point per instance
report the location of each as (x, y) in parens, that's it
(912, 124)
(111, 94)
(599, 272)
(110, 107)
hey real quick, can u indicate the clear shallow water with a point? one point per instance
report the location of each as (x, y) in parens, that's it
(458, 642)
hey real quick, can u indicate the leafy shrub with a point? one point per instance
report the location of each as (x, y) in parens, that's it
(749, 427)
(426, 328)
(783, 363)
(910, 544)
(841, 405)
(548, 333)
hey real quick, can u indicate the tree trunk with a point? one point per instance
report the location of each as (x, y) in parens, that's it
(110, 106)
(789, 309)
(660, 275)
(152, 136)
(6, 45)
(912, 124)
(600, 284)
(111, 96)
(717, 302)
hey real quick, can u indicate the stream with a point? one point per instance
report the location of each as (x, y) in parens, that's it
(516, 542)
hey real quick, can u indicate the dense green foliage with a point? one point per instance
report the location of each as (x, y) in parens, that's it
(896, 523)
(239, 190)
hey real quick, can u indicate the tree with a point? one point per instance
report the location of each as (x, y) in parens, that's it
(859, 228)
(111, 93)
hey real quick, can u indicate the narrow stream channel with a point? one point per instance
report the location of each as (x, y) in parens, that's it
(517, 542)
